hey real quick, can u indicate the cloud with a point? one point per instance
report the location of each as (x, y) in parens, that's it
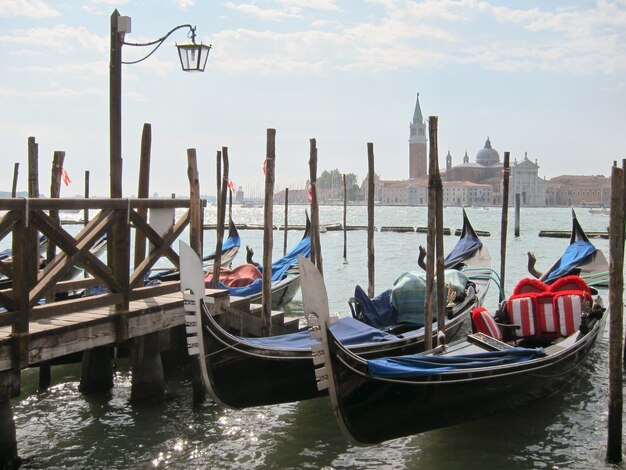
(186, 4)
(61, 38)
(390, 35)
(28, 8)
(64, 93)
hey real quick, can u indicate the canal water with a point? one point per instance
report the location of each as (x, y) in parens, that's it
(60, 428)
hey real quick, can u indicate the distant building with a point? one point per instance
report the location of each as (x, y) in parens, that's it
(417, 143)
(487, 169)
(414, 192)
(575, 190)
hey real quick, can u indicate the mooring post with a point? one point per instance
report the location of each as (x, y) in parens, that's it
(316, 246)
(195, 242)
(431, 235)
(16, 169)
(55, 192)
(221, 215)
(345, 229)
(286, 221)
(371, 266)
(517, 214)
(143, 189)
(8, 439)
(505, 216)
(616, 306)
(86, 211)
(268, 232)
(96, 374)
(440, 269)
(148, 384)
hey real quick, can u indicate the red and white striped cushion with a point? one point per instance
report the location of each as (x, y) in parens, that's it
(521, 311)
(547, 316)
(569, 307)
(484, 323)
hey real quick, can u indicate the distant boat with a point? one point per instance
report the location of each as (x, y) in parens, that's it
(602, 211)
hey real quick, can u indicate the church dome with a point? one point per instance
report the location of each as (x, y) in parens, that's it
(487, 156)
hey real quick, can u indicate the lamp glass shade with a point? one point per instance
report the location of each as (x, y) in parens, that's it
(193, 57)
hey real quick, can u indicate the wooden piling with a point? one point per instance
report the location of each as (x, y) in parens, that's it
(195, 242)
(505, 216)
(143, 190)
(345, 210)
(86, 211)
(96, 373)
(195, 223)
(517, 214)
(371, 274)
(221, 215)
(440, 267)
(286, 221)
(148, 384)
(55, 191)
(430, 239)
(616, 306)
(8, 437)
(268, 233)
(16, 170)
(316, 248)
(218, 179)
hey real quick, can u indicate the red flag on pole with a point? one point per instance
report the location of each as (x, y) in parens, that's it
(309, 188)
(231, 186)
(66, 177)
(265, 166)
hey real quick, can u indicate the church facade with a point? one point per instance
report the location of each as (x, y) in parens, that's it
(467, 183)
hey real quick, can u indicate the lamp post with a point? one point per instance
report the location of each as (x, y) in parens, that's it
(192, 56)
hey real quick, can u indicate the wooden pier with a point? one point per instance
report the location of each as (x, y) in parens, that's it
(40, 323)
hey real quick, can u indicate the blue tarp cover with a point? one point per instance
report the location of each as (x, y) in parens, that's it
(576, 254)
(464, 248)
(279, 268)
(419, 365)
(378, 311)
(347, 330)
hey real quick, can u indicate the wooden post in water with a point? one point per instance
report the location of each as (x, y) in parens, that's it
(268, 232)
(195, 242)
(16, 170)
(616, 306)
(431, 237)
(143, 190)
(221, 215)
(316, 248)
(55, 192)
(218, 178)
(286, 221)
(195, 223)
(505, 215)
(86, 211)
(371, 266)
(517, 214)
(440, 268)
(345, 229)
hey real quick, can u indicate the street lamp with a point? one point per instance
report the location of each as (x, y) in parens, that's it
(193, 58)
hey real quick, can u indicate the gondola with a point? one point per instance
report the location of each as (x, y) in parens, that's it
(246, 280)
(386, 398)
(242, 372)
(581, 257)
(230, 248)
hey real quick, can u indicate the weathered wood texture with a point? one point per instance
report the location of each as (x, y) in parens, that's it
(268, 235)
(371, 189)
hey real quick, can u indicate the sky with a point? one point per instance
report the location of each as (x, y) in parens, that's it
(546, 79)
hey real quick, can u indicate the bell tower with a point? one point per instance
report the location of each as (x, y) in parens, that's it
(417, 144)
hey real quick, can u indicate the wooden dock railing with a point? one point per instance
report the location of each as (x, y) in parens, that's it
(29, 284)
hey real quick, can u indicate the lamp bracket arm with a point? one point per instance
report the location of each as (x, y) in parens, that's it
(158, 42)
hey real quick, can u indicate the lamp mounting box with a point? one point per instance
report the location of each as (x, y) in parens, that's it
(123, 24)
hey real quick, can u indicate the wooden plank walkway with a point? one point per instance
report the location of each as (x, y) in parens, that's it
(70, 333)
